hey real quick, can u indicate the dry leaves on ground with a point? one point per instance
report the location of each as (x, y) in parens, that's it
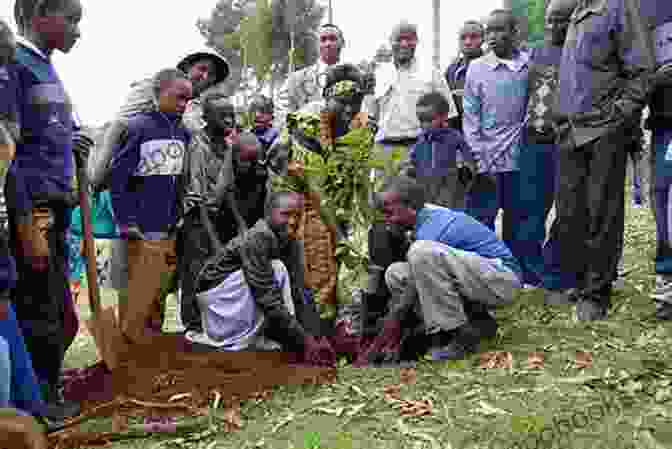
(406, 407)
(583, 359)
(391, 392)
(536, 360)
(232, 420)
(496, 359)
(408, 376)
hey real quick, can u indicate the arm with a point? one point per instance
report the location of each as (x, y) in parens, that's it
(471, 120)
(99, 161)
(464, 151)
(258, 271)
(635, 46)
(407, 166)
(232, 204)
(439, 83)
(125, 159)
(196, 179)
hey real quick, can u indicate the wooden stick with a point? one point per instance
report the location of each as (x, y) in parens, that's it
(89, 246)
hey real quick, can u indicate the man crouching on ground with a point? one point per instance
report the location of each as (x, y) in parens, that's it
(455, 270)
(245, 290)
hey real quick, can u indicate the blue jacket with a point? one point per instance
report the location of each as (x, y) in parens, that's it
(460, 231)
(44, 151)
(146, 166)
(436, 150)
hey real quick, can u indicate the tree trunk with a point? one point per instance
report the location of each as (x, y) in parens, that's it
(436, 6)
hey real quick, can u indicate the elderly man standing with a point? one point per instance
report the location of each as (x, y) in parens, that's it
(605, 79)
(306, 85)
(395, 109)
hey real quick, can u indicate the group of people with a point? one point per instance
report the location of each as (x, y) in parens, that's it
(243, 222)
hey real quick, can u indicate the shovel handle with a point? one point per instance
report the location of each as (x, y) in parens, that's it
(89, 247)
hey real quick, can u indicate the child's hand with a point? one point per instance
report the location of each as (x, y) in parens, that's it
(131, 232)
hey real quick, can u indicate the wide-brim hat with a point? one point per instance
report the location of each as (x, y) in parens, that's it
(222, 69)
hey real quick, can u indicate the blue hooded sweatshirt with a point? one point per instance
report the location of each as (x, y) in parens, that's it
(145, 171)
(435, 152)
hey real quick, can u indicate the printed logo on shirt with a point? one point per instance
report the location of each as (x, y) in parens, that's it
(161, 157)
(668, 153)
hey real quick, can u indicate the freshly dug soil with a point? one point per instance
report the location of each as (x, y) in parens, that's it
(152, 373)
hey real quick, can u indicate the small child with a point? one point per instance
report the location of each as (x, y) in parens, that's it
(262, 109)
(433, 160)
(146, 172)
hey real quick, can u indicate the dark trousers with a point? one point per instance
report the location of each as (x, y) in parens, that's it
(537, 165)
(41, 303)
(591, 212)
(489, 194)
(196, 248)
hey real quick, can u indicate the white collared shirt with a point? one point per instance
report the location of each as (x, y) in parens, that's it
(396, 107)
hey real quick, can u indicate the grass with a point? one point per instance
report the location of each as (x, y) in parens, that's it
(623, 399)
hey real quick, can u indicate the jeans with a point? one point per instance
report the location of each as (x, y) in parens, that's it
(5, 373)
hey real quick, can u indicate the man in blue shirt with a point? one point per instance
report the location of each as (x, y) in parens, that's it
(455, 270)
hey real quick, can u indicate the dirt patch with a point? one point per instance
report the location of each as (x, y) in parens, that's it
(169, 377)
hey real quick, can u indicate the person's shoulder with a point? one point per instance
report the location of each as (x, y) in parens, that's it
(301, 73)
(28, 63)
(259, 237)
(139, 122)
(480, 62)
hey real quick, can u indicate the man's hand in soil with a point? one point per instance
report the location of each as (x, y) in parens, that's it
(385, 346)
(319, 352)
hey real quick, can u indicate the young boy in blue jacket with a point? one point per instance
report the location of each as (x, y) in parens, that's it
(434, 159)
(145, 189)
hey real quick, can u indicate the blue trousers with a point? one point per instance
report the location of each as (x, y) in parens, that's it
(538, 167)
(5, 373)
(488, 195)
(24, 389)
(662, 146)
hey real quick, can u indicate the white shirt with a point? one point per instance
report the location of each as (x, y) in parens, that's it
(395, 109)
